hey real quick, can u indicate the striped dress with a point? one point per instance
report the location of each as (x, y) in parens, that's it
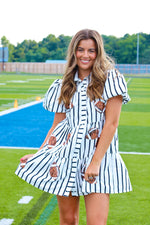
(59, 167)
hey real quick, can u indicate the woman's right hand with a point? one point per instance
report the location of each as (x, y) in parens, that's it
(24, 159)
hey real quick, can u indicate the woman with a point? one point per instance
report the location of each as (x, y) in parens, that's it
(80, 153)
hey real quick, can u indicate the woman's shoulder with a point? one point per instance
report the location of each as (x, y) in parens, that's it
(54, 87)
(115, 85)
(113, 73)
(51, 100)
(56, 82)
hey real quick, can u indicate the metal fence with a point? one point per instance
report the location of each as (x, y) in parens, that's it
(133, 68)
(37, 68)
(58, 68)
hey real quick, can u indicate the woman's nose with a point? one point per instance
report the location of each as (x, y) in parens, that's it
(85, 54)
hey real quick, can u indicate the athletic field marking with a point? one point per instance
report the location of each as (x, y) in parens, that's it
(17, 81)
(47, 211)
(38, 79)
(5, 221)
(25, 199)
(32, 214)
(2, 83)
(22, 148)
(128, 81)
(135, 153)
(50, 78)
(7, 98)
(31, 148)
(20, 107)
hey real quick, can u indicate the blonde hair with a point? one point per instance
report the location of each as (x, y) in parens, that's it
(101, 65)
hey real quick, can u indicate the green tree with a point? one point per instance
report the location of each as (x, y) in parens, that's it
(146, 56)
(122, 50)
(4, 41)
(42, 54)
(50, 42)
(30, 56)
(19, 55)
(11, 49)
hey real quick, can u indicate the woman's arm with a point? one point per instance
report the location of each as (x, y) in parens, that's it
(112, 114)
(57, 119)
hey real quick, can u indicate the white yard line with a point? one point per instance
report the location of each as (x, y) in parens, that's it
(25, 199)
(5, 221)
(20, 107)
(16, 81)
(31, 148)
(2, 83)
(38, 79)
(23, 148)
(135, 153)
(129, 80)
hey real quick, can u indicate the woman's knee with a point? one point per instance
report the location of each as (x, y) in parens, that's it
(97, 207)
(68, 210)
(69, 219)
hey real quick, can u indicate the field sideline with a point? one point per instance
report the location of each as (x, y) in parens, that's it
(134, 129)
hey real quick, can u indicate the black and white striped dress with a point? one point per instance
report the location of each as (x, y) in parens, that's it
(59, 167)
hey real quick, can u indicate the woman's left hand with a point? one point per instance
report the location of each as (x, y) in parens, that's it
(91, 172)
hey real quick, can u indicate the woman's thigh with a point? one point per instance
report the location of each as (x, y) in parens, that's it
(97, 207)
(68, 209)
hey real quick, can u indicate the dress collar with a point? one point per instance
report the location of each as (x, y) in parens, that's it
(76, 77)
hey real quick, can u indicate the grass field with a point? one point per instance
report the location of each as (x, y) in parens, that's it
(134, 129)
(24, 88)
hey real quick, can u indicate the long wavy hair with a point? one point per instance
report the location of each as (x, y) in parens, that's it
(101, 65)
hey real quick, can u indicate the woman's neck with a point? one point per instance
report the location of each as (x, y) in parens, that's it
(82, 75)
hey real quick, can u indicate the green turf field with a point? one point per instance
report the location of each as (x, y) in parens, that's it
(24, 88)
(134, 129)
(134, 126)
(125, 209)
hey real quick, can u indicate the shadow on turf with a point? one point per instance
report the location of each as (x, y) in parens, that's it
(35, 209)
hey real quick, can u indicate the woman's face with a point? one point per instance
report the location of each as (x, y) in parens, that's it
(86, 55)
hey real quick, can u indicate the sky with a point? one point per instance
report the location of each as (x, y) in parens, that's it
(35, 19)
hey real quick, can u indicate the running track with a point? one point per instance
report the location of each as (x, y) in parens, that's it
(26, 127)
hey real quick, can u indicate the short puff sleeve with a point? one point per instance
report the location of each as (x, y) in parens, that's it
(115, 85)
(51, 98)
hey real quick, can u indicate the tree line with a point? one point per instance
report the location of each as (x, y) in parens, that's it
(123, 50)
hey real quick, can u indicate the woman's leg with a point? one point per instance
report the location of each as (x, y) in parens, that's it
(97, 207)
(68, 210)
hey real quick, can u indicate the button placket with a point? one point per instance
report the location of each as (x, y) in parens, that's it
(83, 101)
(81, 130)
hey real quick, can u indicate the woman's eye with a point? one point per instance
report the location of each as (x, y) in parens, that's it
(92, 51)
(80, 50)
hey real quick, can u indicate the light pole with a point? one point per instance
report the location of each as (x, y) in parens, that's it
(2, 56)
(3, 66)
(137, 56)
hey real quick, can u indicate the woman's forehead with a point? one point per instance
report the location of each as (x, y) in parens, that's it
(87, 43)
